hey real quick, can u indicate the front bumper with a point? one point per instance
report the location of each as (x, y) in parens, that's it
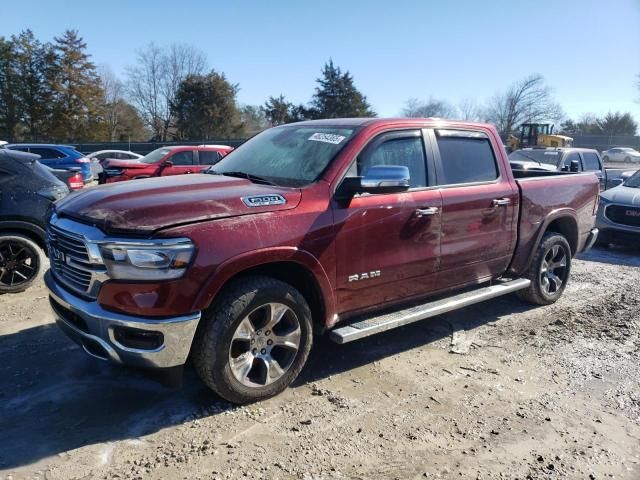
(112, 336)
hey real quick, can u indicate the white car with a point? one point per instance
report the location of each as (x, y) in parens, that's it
(97, 158)
(621, 154)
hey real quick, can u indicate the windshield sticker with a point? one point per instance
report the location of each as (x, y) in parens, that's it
(327, 138)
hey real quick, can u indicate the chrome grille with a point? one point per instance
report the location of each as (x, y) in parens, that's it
(69, 259)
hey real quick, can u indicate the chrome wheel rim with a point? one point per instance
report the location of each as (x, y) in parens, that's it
(264, 345)
(553, 272)
(18, 264)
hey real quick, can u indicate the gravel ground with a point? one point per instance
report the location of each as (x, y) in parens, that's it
(499, 390)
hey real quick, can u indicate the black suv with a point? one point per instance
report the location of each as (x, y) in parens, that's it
(27, 188)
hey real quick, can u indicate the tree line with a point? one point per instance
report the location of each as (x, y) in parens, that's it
(52, 91)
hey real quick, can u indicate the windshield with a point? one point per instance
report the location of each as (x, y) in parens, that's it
(550, 157)
(633, 180)
(290, 155)
(154, 156)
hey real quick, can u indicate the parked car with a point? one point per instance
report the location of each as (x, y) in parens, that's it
(72, 177)
(560, 159)
(619, 213)
(27, 189)
(344, 226)
(101, 155)
(621, 154)
(57, 156)
(163, 162)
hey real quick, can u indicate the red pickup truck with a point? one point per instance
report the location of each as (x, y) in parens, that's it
(162, 162)
(348, 227)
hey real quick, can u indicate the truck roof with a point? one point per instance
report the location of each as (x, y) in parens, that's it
(362, 122)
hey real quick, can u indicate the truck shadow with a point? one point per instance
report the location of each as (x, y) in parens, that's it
(616, 255)
(53, 398)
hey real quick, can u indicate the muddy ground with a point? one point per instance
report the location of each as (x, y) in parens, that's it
(499, 390)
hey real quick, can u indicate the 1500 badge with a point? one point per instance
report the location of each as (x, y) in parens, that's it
(264, 200)
(364, 276)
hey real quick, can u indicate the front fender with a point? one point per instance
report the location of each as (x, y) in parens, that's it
(240, 263)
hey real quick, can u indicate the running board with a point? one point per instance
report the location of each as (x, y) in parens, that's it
(372, 325)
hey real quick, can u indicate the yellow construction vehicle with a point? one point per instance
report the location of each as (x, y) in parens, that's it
(538, 134)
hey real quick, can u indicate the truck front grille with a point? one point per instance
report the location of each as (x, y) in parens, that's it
(69, 259)
(623, 215)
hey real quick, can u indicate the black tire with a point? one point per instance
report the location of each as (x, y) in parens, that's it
(21, 261)
(212, 347)
(537, 292)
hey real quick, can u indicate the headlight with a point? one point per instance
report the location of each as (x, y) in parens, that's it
(152, 260)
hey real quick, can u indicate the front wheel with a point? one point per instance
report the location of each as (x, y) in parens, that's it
(20, 263)
(255, 341)
(549, 270)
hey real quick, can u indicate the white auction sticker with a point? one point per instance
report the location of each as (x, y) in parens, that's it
(327, 138)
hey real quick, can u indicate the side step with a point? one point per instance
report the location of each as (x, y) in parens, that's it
(372, 325)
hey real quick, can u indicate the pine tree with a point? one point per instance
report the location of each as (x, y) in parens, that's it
(9, 81)
(35, 66)
(205, 107)
(337, 97)
(78, 91)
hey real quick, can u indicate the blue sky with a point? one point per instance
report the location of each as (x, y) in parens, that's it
(588, 51)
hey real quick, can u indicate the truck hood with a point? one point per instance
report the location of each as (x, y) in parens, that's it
(144, 206)
(623, 195)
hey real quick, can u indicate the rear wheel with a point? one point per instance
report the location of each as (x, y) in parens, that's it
(549, 270)
(255, 340)
(20, 262)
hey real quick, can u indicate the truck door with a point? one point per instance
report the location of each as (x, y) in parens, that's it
(182, 162)
(388, 245)
(479, 208)
(206, 158)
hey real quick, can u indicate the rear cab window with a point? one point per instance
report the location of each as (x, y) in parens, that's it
(465, 157)
(591, 162)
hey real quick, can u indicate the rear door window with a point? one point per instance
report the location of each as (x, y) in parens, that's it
(466, 157)
(591, 161)
(47, 153)
(183, 158)
(208, 157)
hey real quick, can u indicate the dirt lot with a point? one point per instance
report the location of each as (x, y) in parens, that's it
(500, 390)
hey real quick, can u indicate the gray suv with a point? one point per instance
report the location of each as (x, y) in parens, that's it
(619, 213)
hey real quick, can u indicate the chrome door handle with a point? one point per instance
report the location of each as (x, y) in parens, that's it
(501, 202)
(423, 212)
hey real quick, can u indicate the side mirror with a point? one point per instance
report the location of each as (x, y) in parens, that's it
(167, 163)
(378, 179)
(575, 166)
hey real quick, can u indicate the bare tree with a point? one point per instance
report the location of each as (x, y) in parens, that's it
(154, 81)
(415, 108)
(113, 90)
(528, 100)
(469, 110)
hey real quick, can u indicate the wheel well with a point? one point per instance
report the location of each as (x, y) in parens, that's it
(566, 226)
(298, 277)
(25, 233)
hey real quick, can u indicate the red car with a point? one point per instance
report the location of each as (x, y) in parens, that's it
(348, 227)
(163, 162)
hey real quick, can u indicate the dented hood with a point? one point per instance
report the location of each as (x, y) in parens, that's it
(145, 206)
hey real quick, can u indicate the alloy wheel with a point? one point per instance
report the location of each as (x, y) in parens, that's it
(264, 345)
(553, 271)
(18, 263)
